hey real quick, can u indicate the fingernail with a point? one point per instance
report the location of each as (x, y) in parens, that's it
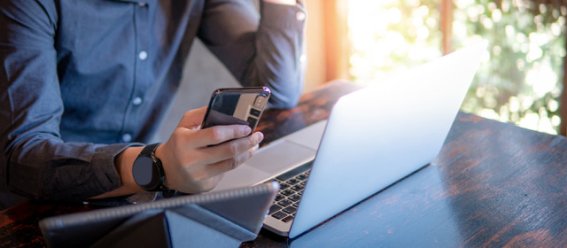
(259, 137)
(245, 130)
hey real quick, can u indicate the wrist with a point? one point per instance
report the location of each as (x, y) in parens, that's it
(124, 165)
(159, 153)
(148, 171)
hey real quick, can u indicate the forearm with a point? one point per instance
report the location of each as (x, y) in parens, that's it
(279, 48)
(46, 168)
(259, 48)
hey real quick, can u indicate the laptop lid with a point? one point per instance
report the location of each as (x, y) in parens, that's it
(380, 134)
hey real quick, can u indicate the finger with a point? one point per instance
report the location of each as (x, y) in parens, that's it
(217, 135)
(255, 148)
(221, 167)
(193, 118)
(231, 149)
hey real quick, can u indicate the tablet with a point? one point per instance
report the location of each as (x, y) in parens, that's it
(224, 218)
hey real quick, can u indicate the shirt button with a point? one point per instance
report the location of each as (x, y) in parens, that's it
(137, 101)
(142, 4)
(143, 55)
(300, 16)
(126, 137)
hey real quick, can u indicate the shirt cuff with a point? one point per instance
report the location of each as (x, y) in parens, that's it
(104, 166)
(283, 16)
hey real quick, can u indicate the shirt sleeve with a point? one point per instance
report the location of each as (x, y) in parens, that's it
(35, 162)
(259, 49)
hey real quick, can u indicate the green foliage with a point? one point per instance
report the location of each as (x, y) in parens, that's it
(391, 35)
(520, 78)
(520, 81)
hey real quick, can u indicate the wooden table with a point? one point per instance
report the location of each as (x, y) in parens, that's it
(493, 184)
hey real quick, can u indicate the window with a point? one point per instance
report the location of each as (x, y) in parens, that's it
(520, 80)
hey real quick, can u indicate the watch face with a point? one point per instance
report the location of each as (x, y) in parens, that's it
(143, 171)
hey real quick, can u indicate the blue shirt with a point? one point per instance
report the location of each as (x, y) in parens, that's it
(80, 80)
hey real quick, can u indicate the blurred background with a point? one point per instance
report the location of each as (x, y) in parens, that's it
(364, 41)
(522, 74)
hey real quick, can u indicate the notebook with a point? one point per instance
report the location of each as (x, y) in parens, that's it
(373, 138)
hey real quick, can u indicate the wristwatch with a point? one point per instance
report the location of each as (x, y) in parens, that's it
(148, 170)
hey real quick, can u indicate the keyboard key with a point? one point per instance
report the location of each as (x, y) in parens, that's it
(274, 208)
(284, 186)
(292, 181)
(290, 210)
(287, 219)
(284, 202)
(297, 187)
(294, 198)
(287, 192)
(301, 177)
(279, 215)
(279, 197)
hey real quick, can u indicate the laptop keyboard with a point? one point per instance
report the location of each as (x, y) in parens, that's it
(292, 184)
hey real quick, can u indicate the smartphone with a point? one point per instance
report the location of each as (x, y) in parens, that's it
(243, 106)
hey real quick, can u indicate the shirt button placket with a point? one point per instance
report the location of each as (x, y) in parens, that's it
(137, 101)
(143, 55)
(126, 137)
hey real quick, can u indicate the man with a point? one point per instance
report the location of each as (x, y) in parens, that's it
(83, 84)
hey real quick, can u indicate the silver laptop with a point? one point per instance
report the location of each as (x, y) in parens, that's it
(373, 138)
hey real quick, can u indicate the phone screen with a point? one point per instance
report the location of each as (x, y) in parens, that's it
(231, 106)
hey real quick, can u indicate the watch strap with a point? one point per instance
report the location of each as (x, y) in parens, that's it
(158, 171)
(149, 150)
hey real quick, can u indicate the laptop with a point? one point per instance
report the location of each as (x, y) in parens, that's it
(373, 138)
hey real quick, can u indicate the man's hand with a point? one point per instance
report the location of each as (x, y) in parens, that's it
(195, 159)
(286, 2)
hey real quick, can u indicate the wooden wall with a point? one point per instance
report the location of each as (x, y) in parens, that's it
(326, 42)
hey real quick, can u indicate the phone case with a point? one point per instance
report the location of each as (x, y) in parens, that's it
(243, 106)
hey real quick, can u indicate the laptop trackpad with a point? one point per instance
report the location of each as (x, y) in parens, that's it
(280, 156)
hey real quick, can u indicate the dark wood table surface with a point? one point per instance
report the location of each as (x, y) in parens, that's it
(492, 185)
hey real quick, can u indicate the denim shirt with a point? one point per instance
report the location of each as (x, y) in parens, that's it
(81, 80)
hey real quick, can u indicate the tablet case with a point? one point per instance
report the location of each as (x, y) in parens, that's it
(219, 219)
